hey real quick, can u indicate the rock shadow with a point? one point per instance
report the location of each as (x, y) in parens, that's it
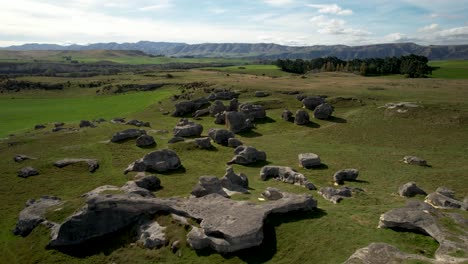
(258, 164)
(149, 146)
(250, 134)
(338, 120)
(181, 169)
(312, 125)
(322, 166)
(265, 120)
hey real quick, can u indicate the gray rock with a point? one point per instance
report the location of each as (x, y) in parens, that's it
(118, 120)
(151, 235)
(223, 95)
(217, 107)
(441, 201)
(93, 164)
(145, 141)
(208, 185)
(220, 136)
(285, 174)
(238, 122)
(272, 194)
(261, 94)
(302, 118)
(410, 189)
(246, 155)
(234, 142)
(39, 126)
(127, 134)
(301, 97)
(309, 160)
(235, 182)
(381, 253)
(186, 128)
(203, 143)
(446, 192)
(34, 214)
(253, 111)
(20, 158)
(345, 175)
(131, 187)
(413, 160)
(175, 140)
(151, 183)
(86, 123)
(336, 195)
(233, 105)
(159, 161)
(311, 102)
(201, 112)
(188, 107)
(220, 118)
(138, 123)
(323, 111)
(287, 115)
(27, 172)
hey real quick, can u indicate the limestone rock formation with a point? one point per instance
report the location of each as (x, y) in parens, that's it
(233, 105)
(220, 118)
(302, 118)
(159, 161)
(345, 175)
(238, 122)
(220, 136)
(285, 174)
(208, 185)
(151, 235)
(201, 112)
(410, 189)
(311, 102)
(235, 182)
(145, 141)
(93, 164)
(39, 126)
(86, 123)
(138, 123)
(20, 158)
(252, 111)
(413, 160)
(261, 94)
(323, 111)
(186, 128)
(27, 172)
(309, 160)
(175, 140)
(272, 194)
(127, 134)
(381, 253)
(217, 107)
(336, 195)
(234, 142)
(188, 107)
(246, 155)
(34, 214)
(287, 115)
(203, 143)
(223, 95)
(439, 200)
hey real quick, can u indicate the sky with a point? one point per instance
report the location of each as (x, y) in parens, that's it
(287, 22)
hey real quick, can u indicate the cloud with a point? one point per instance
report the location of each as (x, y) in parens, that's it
(159, 4)
(279, 2)
(333, 26)
(218, 11)
(429, 28)
(331, 9)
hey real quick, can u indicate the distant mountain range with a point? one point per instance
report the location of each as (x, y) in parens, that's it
(267, 51)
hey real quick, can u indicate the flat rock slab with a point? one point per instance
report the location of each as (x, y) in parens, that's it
(93, 164)
(34, 214)
(127, 134)
(309, 160)
(336, 195)
(413, 160)
(381, 253)
(159, 161)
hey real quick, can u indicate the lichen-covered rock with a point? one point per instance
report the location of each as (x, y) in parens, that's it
(311, 102)
(208, 185)
(234, 142)
(309, 160)
(127, 134)
(34, 214)
(238, 122)
(159, 161)
(410, 189)
(220, 136)
(323, 111)
(285, 174)
(345, 175)
(413, 160)
(246, 155)
(27, 172)
(145, 141)
(93, 164)
(253, 111)
(186, 128)
(302, 117)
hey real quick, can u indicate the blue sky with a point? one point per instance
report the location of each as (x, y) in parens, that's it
(289, 22)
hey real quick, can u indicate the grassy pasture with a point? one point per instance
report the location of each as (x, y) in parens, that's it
(367, 137)
(450, 69)
(255, 69)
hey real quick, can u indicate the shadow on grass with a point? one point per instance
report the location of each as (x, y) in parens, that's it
(267, 250)
(250, 134)
(265, 120)
(322, 166)
(258, 164)
(148, 147)
(339, 120)
(181, 169)
(312, 125)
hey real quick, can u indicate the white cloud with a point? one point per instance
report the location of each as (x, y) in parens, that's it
(279, 2)
(333, 26)
(429, 28)
(218, 11)
(157, 5)
(395, 37)
(331, 9)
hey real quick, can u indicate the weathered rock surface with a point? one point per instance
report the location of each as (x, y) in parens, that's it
(285, 174)
(323, 111)
(246, 155)
(34, 214)
(201, 112)
(287, 115)
(86, 123)
(302, 118)
(233, 105)
(150, 182)
(118, 120)
(410, 189)
(188, 107)
(413, 160)
(131, 187)
(127, 134)
(27, 172)
(217, 107)
(203, 143)
(238, 122)
(208, 185)
(186, 128)
(220, 136)
(336, 195)
(20, 158)
(423, 218)
(159, 161)
(441, 201)
(311, 102)
(93, 164)
(151, 235)
(253, 111)
(309, 160)
(272, 194)
(220, 118)
(39, 126)
(381, 253)
(138, 123)
(235, 182)
(145, 141)
(345, 175)
(446, 191)
(175, 140)
(261, 94)
(234, 142)
(223, 95)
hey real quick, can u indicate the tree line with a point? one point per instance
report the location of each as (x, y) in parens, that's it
(412, 66)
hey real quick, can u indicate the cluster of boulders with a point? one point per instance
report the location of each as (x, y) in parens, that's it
(142, 139)
(227, 185)
(287, 175)
(245, 155)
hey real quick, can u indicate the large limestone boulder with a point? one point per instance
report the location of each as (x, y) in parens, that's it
(413, 160)
(235, 182)
(220, 136)
(234, 142)
(287, 115)
(311, 102)
(159, 161)
(201, 112)
(145, 141)
(302, 118)
(285, 174)
(238, 122)
(323, 111)
(223, 95)
(309, 160)
(410, 189)
(93, 164)
(246, 155)
(208, 185)
(217, 107)
(151, 235)
(336, 195)
(345, 175)
(203, 143)
(186, 128)
(252, 111)
(27, 172)
(188, 107)
(127, 134)
(439, 200)
(233, 105)
(34, 214)
(381, 253)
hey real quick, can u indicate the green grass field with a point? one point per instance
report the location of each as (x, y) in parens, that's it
(255, 69)
(450, 69)
(367, 137)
